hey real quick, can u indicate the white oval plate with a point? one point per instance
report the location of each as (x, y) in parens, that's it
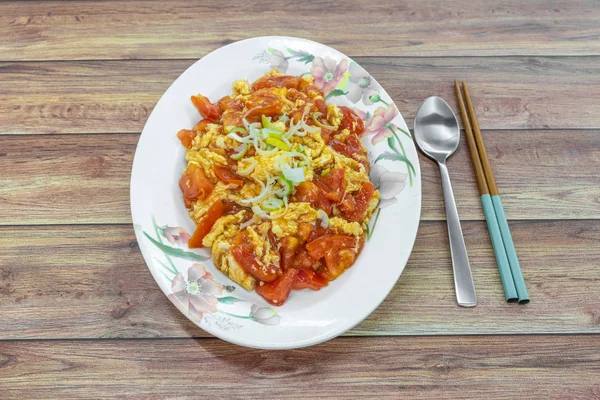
(190, 279)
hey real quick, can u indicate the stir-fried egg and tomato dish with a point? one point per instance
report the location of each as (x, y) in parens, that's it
(277, 182)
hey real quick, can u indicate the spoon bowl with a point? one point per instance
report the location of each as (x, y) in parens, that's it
(436, 129)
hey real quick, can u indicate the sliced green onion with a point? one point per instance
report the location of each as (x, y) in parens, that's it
(276, 126)
(325, 171)
(294, 175)
(286, 187)
(240, 151)
(249, 169)
(322, 215)
(230, 129)
(272, 204)
(315, 118)
(268, 132)
(277, 143)
(300, 148)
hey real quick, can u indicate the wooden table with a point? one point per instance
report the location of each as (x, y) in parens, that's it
(80, 315)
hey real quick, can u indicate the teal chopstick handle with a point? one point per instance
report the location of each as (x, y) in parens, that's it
(510, 292)
(511, 253)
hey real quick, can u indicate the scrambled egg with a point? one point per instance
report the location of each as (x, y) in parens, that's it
(205, 159)
(355, 172)
(334, 116)
(340, 225)
(306, 150)
(287, 225)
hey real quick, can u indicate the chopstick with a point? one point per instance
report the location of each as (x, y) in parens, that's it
(509, 245)
(510, 292)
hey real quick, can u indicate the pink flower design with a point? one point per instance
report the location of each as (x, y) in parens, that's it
(327, 74)
(196, 295)
(175, 235)
(380, 123)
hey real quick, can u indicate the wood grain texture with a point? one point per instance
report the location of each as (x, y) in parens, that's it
(180, 29)
(78, 179)
(91, 282)
(118, 97)
(417, 368)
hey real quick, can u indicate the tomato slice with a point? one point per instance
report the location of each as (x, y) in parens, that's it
(227, 175)
(362, 199)
(244, 255)
(351, 121)
(332, 184)
(263, 102)
(278, 291)
(309, 192)
(206, 223)
(286, 81)
(229, 104)
(337, 261)
(351, 148)
(308, 279)
(287, 251)
(208, 110)
(186, 137)
(194, 184)
(319, 248)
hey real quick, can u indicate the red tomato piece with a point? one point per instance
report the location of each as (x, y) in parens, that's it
(263, 102)
(294, 94)
(351, 121)
(233, 118)
(303, 260)
(228, 104)
(244, 255)
(208, 110)
(226, 174)
(310, 193)
(206, 223)
(201, 126)
(321, 106)
(287, 251)
(186, 137)
(286, 81)
(278, 291)
(332, 184)
(337, 261)
(194, 184)
(320, 247)
(362, 199)
(308, 279)
(348, 205)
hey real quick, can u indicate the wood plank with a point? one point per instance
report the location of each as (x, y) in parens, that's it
(524, 367)
(118, 97)
(178, 29)
(91, 282)
(85, 178)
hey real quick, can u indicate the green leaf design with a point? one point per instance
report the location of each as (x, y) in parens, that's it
(387, 155)
(302, 56)
(229, 288)
(176, 252)
(335, 92)
(229, 300)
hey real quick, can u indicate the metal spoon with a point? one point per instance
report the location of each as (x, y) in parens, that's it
(437, 135)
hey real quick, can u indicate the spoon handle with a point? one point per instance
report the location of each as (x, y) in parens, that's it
(463, 280)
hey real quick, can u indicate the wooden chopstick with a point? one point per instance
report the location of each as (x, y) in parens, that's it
(510, 291)
(487, 168)
(501, 219)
